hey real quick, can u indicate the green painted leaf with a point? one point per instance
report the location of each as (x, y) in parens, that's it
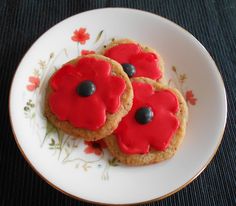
(99, 36)
(113, 162)
(49, 129)
(60, 135)
(26, 108)
(52, 143)
(51, 55)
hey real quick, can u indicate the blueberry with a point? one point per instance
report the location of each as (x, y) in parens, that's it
(129, 69)
(144, 115)
(86, 88)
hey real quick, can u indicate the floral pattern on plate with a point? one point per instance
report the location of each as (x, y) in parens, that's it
(93, 155)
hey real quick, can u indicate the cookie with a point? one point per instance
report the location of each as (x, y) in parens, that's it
(137, 60)
(88, 97)
(153, 129)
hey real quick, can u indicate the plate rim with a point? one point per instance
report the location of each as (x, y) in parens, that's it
(134, 203)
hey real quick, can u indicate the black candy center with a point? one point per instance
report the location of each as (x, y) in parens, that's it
(129, 69)
(144, 115)
(86, 88)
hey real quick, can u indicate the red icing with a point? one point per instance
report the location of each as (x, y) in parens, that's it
(135, 138)
(85, 112)
(86, 52)
(146, 63)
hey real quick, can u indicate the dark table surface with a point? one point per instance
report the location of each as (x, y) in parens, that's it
(212, 22)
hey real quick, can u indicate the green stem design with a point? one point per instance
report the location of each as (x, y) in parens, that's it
(43, 78)
(83, 160)
(44, 139)
(67, 155)
(49, 129)
(179, 83)
(66, 53)
(105, 173)
(67, 137)
(64, 142)
(71, 150)
(98, 36)
(60, 140)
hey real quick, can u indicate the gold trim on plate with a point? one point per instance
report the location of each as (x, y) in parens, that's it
(100, 203)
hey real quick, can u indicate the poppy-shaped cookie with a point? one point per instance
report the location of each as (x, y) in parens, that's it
(136, 60)
(154, 128)
(88, 97)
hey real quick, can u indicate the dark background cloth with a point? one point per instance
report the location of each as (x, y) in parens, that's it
(212, 22)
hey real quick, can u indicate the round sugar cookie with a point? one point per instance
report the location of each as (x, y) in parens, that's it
(128, 144)
(88, 97)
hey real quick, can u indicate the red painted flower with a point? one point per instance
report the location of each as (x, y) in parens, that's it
(145, 63)
(34, 83)
(80, 36)
(85, 112)
(190, 97)
(95, 147)
(136, 138)
(86, 52)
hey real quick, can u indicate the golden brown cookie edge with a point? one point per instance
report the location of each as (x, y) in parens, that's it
(112, 119)
(144, 48)
(153, 156)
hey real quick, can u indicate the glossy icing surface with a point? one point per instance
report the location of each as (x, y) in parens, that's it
(88, 112)
(136, 138)
(145, 63)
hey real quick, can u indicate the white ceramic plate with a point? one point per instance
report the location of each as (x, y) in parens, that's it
(72, 166)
